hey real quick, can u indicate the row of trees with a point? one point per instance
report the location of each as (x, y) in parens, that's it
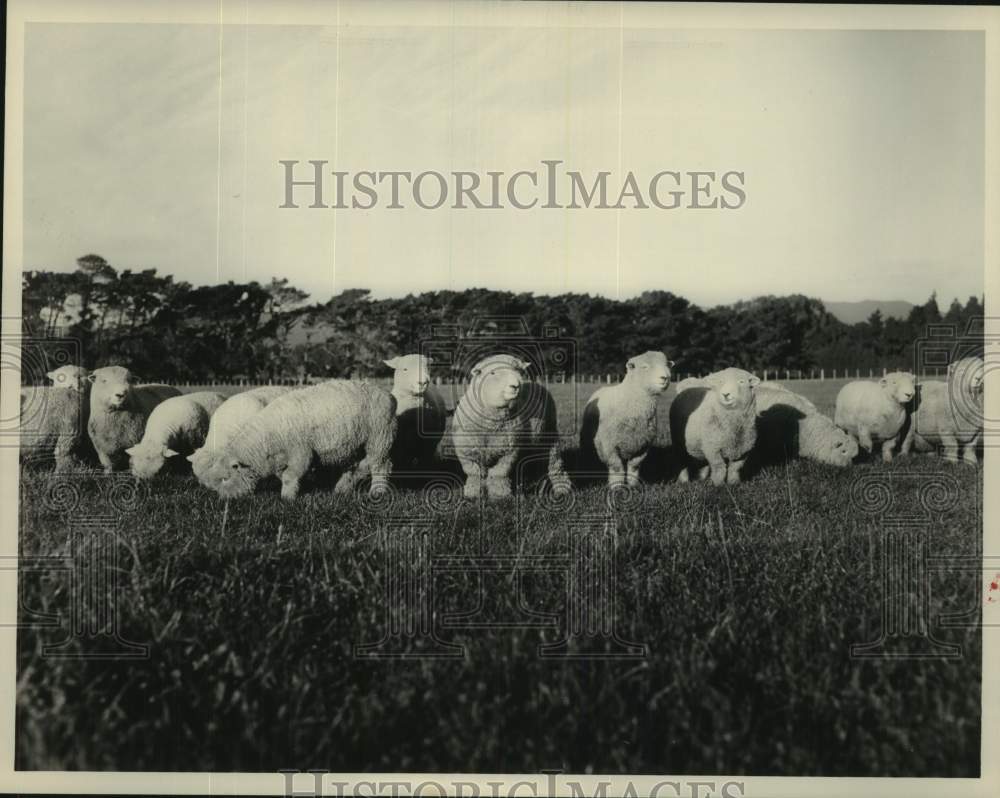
(172, 330)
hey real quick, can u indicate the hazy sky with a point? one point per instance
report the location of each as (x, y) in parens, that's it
(158, 146)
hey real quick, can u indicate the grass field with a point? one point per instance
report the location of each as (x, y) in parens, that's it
(746, 600)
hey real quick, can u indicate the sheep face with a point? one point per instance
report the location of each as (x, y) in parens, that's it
(735, 387)
(968, 374)
(843, 449)
(73, 377)
(496, 381)
(412, 374)
(226, 475)
(146, 461)
(899, 385)
(111, 386)
(651, 370)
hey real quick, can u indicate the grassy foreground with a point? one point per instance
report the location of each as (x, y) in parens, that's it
(744, 600)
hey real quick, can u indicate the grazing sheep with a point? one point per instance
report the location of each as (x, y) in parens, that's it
(420, 411)
(118, 412)
(502, 418)
(232, 415)
(336, 423)
(789, 425)
(177, 426)
(619, 421)
(949, 415)
(54, 419)
(873, 411)
(716, 425)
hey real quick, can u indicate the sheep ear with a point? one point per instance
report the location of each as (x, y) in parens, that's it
(670, 364)
(169, 452)
(391, 362)
(91, 377)
(51, 375)
(630, 364)
(131, 450)
(883, 382)
(524, 365)
(754, 380)
(190, 458)
(476, 371)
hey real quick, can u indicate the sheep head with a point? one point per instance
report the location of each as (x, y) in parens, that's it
(496, 381)
(73, 377)
(734, 387)
(651, 370)
(841, 448)
(899, 385)
(225, 474)
(412, 374)
(111, 387)
(146, 461)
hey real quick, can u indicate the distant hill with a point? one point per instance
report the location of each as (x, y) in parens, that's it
(853, 312)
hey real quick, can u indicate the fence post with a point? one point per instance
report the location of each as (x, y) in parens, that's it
(883, 371)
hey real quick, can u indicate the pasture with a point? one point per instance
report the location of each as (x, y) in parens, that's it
(733, 612)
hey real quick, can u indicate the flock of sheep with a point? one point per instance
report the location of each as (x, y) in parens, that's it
(363, 432)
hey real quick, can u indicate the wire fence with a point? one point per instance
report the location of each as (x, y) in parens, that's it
(768, 375)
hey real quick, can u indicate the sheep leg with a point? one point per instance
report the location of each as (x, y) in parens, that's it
(632, 468)
(380, 476)
(557, 473)
(64, 454)
(717, 468)
(907, 445)
(865, 439)
(969, 453)
(887, 447)
(498, 477)
(473, 478)
(296, 468)
(703, 472)
(616, 470)
(950, 445)
(106, 462)
(733, 472)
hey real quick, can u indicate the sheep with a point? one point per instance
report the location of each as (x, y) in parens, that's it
(501, 419)
(118, 412)
(716, 424)
(232, 415)
(335, 423)
(619, 421)
(949, 414)
(876, 411)
(420, 411)
(54, 419)
(177, 426)
(789, 425)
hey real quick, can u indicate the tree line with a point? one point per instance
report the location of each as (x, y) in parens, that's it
(171, 330)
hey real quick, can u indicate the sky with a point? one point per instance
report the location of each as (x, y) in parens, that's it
(158, 146)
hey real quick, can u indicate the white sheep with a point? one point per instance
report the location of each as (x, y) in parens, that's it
(716, 425)
(876, 411)
(177, 426)
(949, 415)
(502, 419)
(54, 419)
(420, 411)
(789, 425)
(336, 424)
(230, 417)
(118, 412)
(619, 421)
